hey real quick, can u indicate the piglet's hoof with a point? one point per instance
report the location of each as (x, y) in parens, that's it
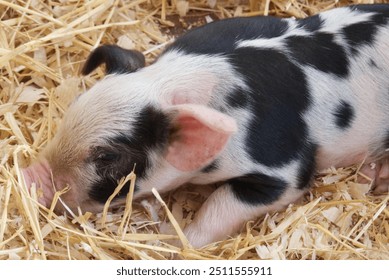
(379, 174)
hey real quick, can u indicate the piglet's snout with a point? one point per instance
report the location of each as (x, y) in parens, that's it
(40, 174)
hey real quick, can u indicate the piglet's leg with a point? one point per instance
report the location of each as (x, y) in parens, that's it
(224, 213)
(379, 173)
(382, 184)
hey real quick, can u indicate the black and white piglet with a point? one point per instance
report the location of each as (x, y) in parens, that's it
(257, 104)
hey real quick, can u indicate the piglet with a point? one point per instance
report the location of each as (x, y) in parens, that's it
(255, 104)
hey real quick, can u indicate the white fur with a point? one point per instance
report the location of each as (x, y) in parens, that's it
(275, 42)
(336, 19)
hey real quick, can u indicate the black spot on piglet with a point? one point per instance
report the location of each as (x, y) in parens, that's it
(320, 51)
(257, 188)
(363, 32)
(344, 115)
(313, 23)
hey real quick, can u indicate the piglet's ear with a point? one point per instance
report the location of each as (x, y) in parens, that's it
(201, 134)
(115, 58)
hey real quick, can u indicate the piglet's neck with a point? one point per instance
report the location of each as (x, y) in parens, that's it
(187, 78)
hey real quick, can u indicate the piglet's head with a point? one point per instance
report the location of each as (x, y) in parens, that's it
(115, 128)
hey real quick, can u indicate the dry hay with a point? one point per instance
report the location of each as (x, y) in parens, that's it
(42, 47)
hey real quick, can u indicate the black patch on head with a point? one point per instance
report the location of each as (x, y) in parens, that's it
(116, 60)
(151, 131)
(313, 23)
(319, 51)
(278, 96)
(344, 114)
(220, 37)
(211, 167)
(307, 165)
(257, 188)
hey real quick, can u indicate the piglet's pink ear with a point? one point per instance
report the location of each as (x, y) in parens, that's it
(201, 135)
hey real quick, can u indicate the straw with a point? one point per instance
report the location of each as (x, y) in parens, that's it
(42, 49)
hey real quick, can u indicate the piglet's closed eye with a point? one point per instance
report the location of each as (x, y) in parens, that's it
(116, 60)
(202, 134)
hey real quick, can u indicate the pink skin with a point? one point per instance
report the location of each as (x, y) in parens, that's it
(40, 174)
(204, 132)
(379, 173)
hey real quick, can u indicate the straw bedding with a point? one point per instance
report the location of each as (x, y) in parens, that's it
(42, 47)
